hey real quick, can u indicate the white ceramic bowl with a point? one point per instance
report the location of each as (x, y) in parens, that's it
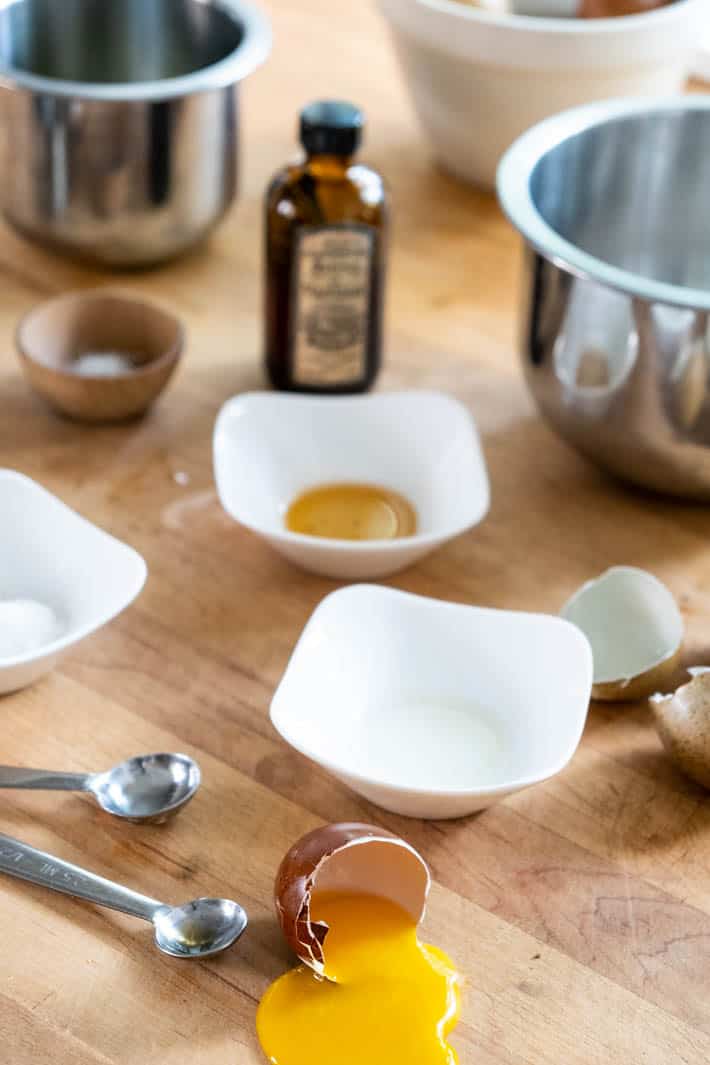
(478, 79)
(50, 554)
(432, 709)
(701, 66)
(269, 447)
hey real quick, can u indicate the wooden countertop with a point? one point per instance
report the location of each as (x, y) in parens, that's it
(579, 910)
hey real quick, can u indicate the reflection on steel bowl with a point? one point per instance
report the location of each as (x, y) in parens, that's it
(613, 201)
(121, 120)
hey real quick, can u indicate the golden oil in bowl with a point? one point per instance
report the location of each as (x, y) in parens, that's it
(352, 512)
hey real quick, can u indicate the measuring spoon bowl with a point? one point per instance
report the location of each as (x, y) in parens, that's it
(147, 788)
(197, 929)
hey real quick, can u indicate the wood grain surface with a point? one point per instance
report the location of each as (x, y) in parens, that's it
(579, 910)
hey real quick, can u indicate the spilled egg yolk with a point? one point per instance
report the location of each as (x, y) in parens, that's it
(390, 1000)
(352, 512)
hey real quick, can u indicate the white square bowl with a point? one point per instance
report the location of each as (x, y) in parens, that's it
(431, 709)
(51, 554)
(271, 447)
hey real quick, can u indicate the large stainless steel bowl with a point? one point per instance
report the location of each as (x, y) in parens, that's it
(614, 203)
(121, 120)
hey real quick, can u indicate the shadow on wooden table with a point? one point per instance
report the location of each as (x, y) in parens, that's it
(553, 505)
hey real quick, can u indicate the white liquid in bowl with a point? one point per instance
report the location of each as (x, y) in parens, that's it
(429, 744)
(26, 626)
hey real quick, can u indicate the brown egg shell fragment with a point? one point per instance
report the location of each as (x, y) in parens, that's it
(683, 724)
(635, 630)
(346, 857)
(641, 687)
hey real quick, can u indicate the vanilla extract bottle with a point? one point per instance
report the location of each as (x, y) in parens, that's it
(326, 232)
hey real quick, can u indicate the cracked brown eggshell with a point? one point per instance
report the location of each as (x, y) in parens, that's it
(683, 724)
(347, 857)
(635, 629)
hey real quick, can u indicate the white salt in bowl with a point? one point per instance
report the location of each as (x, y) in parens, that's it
(51, 555)
(270, 447)
(431, 709)
(479, 78)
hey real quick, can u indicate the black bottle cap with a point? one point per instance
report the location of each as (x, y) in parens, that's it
(331, 127)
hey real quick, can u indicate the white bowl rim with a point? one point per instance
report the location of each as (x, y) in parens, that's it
(251, 51)
(513, 182)
(73, 636)
(363, 547)
(425, 602)
(564, 26)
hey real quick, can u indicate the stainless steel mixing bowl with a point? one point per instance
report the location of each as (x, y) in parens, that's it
(613, 200)
(121, 120)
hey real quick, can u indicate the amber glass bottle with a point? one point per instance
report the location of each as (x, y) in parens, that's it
(326, 220)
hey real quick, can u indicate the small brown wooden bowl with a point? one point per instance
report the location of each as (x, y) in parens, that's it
(54, 334)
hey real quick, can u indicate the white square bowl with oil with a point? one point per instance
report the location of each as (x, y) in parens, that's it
(269, 448)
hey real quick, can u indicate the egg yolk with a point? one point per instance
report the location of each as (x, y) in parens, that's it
(352, 512)
(390, 1000)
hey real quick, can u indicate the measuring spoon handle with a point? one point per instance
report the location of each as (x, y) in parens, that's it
(43, 779)
(27, 863)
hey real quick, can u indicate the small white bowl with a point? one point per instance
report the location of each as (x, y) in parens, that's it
(50, 554)
(479, 78)
(270, 447)
(432, 709)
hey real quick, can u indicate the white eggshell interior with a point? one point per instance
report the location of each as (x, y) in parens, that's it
(631, 620)
(385, 868)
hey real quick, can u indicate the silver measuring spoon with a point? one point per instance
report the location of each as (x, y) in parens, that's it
(195, 930)
(151, 787)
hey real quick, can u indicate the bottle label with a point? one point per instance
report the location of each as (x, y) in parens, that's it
(331, 301)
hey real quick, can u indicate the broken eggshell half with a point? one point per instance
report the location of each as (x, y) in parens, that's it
(346, 857)
(635, 628)
(683, 723)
